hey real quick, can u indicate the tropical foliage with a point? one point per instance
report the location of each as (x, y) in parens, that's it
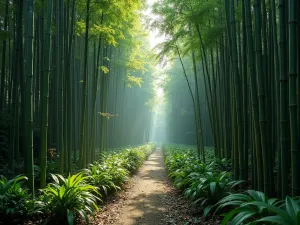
(67, 196)
(204, 184)
(114, 168)
(15, 199)
(254, 207)
(66, 199)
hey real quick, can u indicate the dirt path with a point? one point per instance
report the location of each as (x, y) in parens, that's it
(144, 204)
(149, 199)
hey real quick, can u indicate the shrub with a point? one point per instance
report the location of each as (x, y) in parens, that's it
(101, 177)
(204, 184)
(246, 206)
(288, 214)
(115, 166)
(66, 198)
(16, 201)
(116, 170)
(208, 188)
(69, 196)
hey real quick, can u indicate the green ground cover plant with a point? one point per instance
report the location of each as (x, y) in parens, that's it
(16, 202)
(66, 199)
(204, 184)
(254, 207)
(210, 187)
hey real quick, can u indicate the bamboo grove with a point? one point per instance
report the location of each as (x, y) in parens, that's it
(245, 55)
(180, 108)
(71, 78)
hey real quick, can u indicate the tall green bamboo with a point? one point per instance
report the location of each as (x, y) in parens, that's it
(253, 87)
(199, 135)
(84, 90)
(193, 100)
(245, 96)
(261, 95)
(59, 83)
(28, 70)
(284, 113)
(295, 151)
(45, 110)
(237, 86)
(95, 87)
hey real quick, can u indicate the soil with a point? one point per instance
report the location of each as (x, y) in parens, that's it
(149, 199)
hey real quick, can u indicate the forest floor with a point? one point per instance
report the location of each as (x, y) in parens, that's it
(149, 199)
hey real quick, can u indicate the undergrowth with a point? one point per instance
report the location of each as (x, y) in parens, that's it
(67, 198)
(211, 189)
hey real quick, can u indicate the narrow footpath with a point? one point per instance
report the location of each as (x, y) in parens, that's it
(145, 204)
(149, 200)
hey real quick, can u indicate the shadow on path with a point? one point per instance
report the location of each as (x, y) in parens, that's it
(144, 205)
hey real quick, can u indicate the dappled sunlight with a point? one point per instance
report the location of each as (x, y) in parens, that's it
(144, 205)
